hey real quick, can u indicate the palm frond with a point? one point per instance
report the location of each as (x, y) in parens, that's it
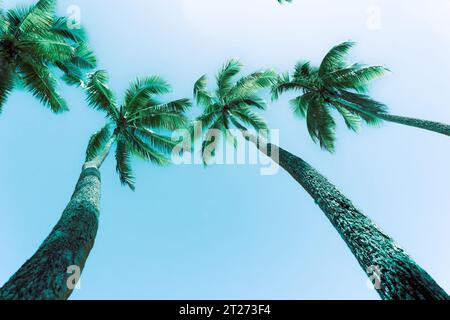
(284, 84)
(142, 150)
(99, 95)
(248, 101)
(97, 142)
(352, 119)
(47, 46)
(355, 77)
(6, 85)
(362, 101)
(75, 70)
(211, 140)
(163, 120)
(201, 94)
(335, 58)
(225, 76)
(61, 27)
(210, 116)
(368, 118)
(123, 165)
(142, 89)
(321, 125)
(47, 6)
(41, 83)
(303, 70)
(73, 76)
(250, 84)
(32, 19)
(177, 106)
(3, 20)
(300, 104)
(247, 116)
(84, 57)
(157, 141)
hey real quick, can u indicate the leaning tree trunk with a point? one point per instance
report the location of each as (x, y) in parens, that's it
(418, 123)
(53, 271)
(396, 275)
(46, 275)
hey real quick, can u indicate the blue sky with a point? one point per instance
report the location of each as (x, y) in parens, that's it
(227, 232)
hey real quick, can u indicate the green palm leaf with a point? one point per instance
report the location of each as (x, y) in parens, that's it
(211, 140)
(300, 104)
(141, 91)
(97, 142)
(283, 84)
(123, 165)
(334, 59)
(41, 83)
(225, 76)
(362, 101)
(321, 125)
(334, 85)
(201, 95)
(6, 84)
(352, 119)
(231, 105)
(157, 141)
(142, 150)
(84, 58)
(356, 77)
(47, 46)
(248, 85)
(61, 27)
(247, 116)
(99, 95)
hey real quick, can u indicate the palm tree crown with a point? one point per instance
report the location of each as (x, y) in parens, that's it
(139, 126)
(32, 41)
(231, 104)
(335, 84)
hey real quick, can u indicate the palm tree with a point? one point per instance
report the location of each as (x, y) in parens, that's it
(33, 42)
(343, 87)
(138, 127)
(233, 103)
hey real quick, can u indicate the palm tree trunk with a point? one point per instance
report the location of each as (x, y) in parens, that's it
(417, 123)
(433, 126)
(400, 277)
(47, 275)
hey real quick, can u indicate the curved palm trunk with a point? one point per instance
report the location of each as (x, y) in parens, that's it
(417, 123)
(433, 126)
(48, 274)
(400, 277)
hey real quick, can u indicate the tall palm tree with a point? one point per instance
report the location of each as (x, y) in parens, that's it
(337, 85)
(138, 127)
(233, 103)
(34, 42)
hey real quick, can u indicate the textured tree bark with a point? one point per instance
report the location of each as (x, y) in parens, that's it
(49, 274)
(418, 123)
(45, 276)
(400, 278)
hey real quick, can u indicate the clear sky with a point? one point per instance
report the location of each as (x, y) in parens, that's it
(227, 232)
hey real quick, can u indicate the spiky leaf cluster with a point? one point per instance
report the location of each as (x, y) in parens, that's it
(34, 42)
(140, 126)
(232, 104)
(334, 85)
